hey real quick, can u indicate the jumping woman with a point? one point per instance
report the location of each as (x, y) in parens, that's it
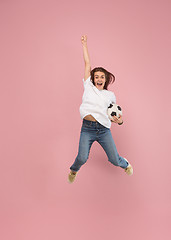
(96, 123)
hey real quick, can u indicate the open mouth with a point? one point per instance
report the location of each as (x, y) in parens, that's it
(99, 84)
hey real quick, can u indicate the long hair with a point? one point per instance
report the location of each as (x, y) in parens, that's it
(110, 78)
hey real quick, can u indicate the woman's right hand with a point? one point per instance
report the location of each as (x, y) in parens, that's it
(84, 39)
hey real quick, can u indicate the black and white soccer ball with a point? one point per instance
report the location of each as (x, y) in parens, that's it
(114, 110)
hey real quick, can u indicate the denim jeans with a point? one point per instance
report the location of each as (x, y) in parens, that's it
(94, 131)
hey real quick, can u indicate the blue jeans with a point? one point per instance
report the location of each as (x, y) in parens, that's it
(94, 131)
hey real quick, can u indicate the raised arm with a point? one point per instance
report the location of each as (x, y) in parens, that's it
(86, 57)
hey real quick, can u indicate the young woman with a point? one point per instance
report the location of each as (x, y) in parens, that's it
(96, 123)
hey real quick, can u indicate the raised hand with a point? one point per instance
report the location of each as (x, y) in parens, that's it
(84, 39)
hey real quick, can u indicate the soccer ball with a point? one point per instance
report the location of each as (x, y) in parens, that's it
(114, 110)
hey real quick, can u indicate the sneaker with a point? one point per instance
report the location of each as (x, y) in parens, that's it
(129, 169)
(72, 176)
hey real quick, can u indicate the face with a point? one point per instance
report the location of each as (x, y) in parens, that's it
(99, 80)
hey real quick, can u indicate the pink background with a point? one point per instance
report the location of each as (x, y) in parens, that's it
(41, 90)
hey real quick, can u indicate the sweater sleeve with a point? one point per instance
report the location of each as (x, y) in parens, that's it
(87, 81)
(113, 98)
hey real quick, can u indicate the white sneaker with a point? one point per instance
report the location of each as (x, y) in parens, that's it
(129, 169)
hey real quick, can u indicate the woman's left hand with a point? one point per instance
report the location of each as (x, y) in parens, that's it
(117, 119)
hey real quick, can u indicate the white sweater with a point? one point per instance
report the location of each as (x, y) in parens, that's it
(96, 102)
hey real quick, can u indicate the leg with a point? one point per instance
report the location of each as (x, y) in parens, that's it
(85, 143)
(107, 142)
